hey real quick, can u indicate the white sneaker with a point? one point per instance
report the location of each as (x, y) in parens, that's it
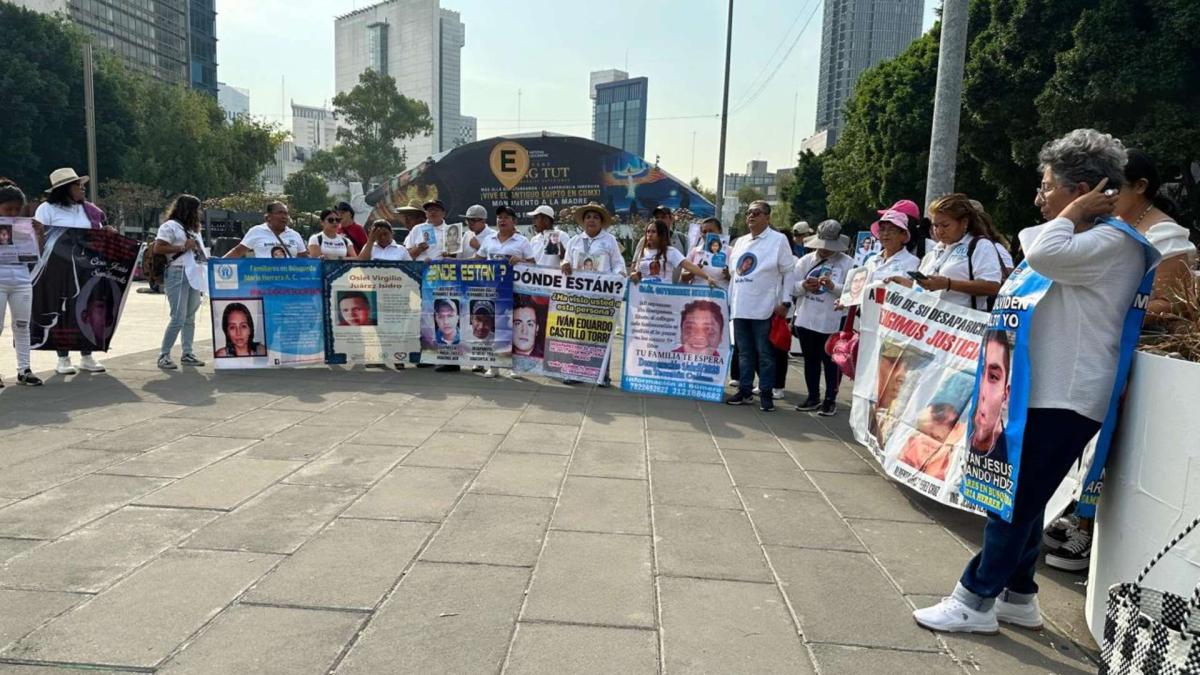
(733, 383)
(64, 366)
(513, 375)
(489, 372)
(777, 394)
(91, 365)
(756, 391)
(1027, 615)
(952, 616)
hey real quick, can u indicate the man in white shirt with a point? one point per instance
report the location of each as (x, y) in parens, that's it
(760, 271)
(426, 241)
(478, 232)
(550, 243)
(1074, 345)
(268, 239)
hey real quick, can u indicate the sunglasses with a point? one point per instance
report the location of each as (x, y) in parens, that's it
(333, 219)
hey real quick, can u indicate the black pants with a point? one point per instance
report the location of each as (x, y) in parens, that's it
(781, 367)
(816, 360)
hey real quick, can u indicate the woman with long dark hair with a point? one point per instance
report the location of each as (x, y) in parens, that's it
(179, 240)
(658, 258)
(238, 326)
(16, 287)
(328, 244)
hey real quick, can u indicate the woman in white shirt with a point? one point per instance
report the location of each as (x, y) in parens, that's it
(64, 207)
(700, 256)
(594, 249)
(659, 258)
(381, 244)
(507, 244)
(178, 239)
(818, 284)
(894, 260)
(16, 287)
(328, 244)
(964, 265)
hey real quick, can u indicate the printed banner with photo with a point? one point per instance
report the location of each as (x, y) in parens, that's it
(864, 245)
(676, 341)
(266, 312)
(466, 314)
(18, 241)
(857, 280)
(372, 311)
(79, 288)
(563, 324)
(916, 370)
(714, 251)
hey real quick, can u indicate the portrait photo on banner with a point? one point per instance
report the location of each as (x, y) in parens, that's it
(856, 282)
(483, 321)
(701, 327)
(990, 417)
(239, 328)
(529, 325)
(899, 373)
(96, 310)
(357, 308)
(445, 329)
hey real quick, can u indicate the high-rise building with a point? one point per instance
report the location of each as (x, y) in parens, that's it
(313, 128)
(856, 35)
(235, 101)
(598, 77)
(172, 40)
(420, 45)
(619, 112)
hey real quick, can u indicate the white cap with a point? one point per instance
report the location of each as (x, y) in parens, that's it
(475, 212)
(542, 210)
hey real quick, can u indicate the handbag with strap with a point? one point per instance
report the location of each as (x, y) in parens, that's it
(1151, 632)
(780, 335)
(842, 347)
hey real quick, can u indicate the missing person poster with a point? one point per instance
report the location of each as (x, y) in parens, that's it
(563, 324)
(916, 370)
(466, 313)
(266, 312)
(79, 288)
(856, 282)
(372, 311)
(676, 341)
(18, 241)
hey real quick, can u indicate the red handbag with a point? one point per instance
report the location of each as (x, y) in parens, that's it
(781, 335)
(842, 346)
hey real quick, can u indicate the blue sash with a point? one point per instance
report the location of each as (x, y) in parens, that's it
(991, 473)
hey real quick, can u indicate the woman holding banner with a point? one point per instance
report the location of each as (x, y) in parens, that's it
(328, 244)
(16, 286)
(1074, 299)
(659, 259)
(894, 260)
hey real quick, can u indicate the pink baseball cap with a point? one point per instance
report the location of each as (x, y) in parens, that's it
(895, 217)
(905, 206)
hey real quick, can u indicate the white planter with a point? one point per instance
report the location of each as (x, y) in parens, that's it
(1152, 485)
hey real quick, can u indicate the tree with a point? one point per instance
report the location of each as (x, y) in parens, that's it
(710, 195)
(307, 191)
(332, 165)
(131, 206)
(376, 117)
(806, 194)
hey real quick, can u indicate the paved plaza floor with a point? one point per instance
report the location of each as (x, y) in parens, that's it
(358, 521)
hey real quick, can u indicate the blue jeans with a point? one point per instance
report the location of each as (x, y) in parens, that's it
(1054, 441)
(755, 354)
(184, 301)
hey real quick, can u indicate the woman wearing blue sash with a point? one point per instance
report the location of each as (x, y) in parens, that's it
(1062, 343)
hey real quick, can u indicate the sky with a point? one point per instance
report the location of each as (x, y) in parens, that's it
(282, 51)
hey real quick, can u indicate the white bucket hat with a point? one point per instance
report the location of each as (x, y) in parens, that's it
(61, 177)
(542, 210)
(829, 237)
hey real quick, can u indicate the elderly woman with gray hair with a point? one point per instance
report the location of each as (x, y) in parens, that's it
(1074, 343)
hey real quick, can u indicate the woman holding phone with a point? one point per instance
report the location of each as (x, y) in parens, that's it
(964, 265)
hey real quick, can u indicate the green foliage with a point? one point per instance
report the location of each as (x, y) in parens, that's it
(131, 207)
(376, 116)
(806, 195)
(250, 201)
(710, 195)
(307, 191)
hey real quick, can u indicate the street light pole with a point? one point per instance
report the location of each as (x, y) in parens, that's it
(947, 101)
(724, 112)
(89, 113)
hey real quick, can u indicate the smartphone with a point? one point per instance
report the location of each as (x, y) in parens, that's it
(917, 276)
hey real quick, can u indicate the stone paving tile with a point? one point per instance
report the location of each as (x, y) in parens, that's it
(23, 611)
(828, 456)
(53, 468)
(682, 446)
(858, 496)
(413, 493)
(688, 421)
(247, 639)
(91, 558)
(226, 406)
(504, 399)
(839, 660)
(256, 425)
(399, 429)
(628, 428)
(843, 597)
(492, 529)
(599, 406)
(526, 475)
(609, 460)
(454, 450)
(37, 442)
(556, 408)
(694, 541)
(277, 521)
(156, 611)
(180, 457)
(311, 402)
(349, 465)
(689, 484)
(603, 505)
(352, 414)
(795, 518)
(540, 649)
(223, 485)
(550, 439)
(121, 415)
(922, 558)
(742, 434)
(442, 619)
(135, 438)
(351, 564)
(753, 469)
(11, 548)
(484, 421)
(586, 577)
(55, 512)
(301, 442)
(18, 669)
(711, 626)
